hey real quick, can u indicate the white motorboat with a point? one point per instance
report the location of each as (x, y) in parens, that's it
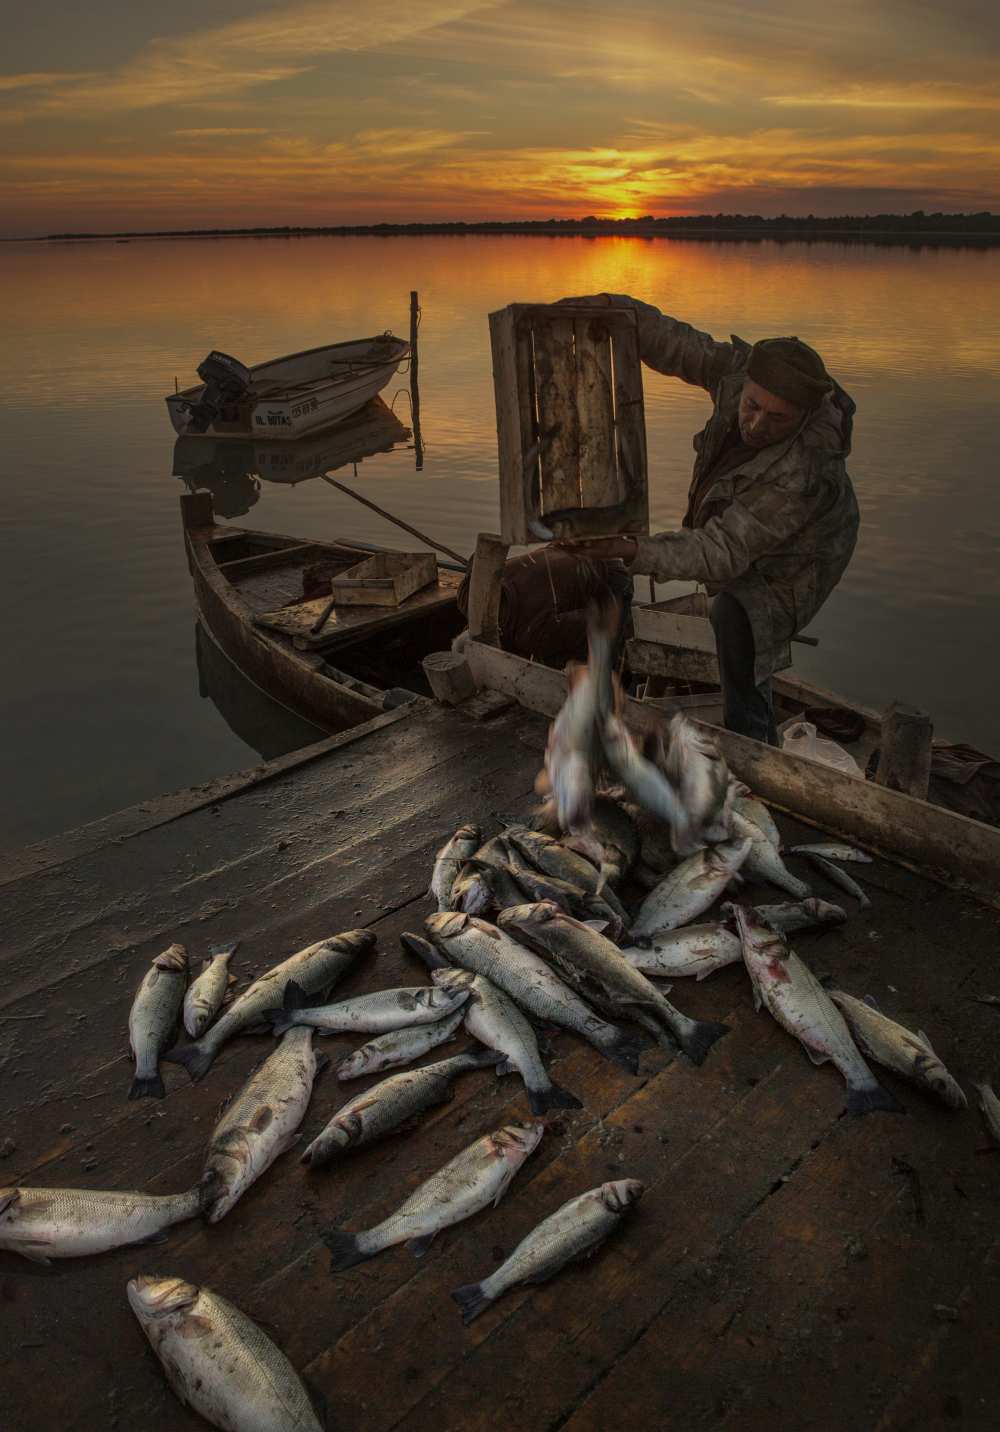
(289, 396)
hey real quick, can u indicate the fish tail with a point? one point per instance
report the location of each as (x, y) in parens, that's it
(151, 1088)
(424, 950)
(280, 1020)
(344, 1250)
(871, 1098)
(540, 1101)
(319, 1152)
(618, 1046)
(699, 1037)
(476, 1059)
(194, 1058)
(472, 1300)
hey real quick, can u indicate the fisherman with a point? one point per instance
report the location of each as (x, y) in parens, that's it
(545, 599)
(771, 518)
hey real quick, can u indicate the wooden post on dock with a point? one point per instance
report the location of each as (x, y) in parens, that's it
(485, 586)
(418, 446)
(905, 759)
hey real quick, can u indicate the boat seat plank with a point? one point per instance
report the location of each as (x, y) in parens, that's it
(348, 622)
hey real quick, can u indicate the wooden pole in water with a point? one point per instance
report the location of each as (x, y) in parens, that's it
(418, 446)
(905, 760)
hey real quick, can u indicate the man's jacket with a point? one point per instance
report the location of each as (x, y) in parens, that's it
(777, 531)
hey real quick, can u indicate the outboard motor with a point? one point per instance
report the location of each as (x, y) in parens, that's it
(226, 380)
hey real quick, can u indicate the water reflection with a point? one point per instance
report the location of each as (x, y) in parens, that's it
(264, 724)
(232, 468)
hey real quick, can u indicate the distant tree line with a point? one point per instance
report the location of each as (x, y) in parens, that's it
(917, 224)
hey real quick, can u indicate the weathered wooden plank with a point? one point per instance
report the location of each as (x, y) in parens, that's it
(677, 663)
(630, 426)
(905, 759)
(517, 439)
(486, 587)
(673, 629)
(937, 842)
(558, 419)
(600, 483)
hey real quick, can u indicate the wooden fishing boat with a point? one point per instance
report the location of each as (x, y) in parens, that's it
(250, 595)
(300, 392)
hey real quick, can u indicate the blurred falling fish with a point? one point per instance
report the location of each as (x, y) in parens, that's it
(840, 877)
(700, 777)
(572, 752)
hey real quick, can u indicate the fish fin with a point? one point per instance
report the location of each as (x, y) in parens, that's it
(696, 1042)
(922, 1036)
(871, 1002)
(472, 1301)
(147, 1088)
(419, 1246)
(230, 949)
(8, 1198)
(160, 1237)
(623, 1050)
(506, 1066)
(33, 1257)
(540, 1101)
(279, 1020)
(196, 1060)
(816, 1055)
(598, 926)
(424, 950)
(230, 991)
(322, 1062)
(294, 997)
(478, 1059)
(344, 1251)
(866, 1101)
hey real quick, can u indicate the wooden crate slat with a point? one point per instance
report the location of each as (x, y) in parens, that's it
(630, 426)
(600, 477)
(558, 420)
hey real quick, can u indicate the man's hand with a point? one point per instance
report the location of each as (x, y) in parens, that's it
(609, 548)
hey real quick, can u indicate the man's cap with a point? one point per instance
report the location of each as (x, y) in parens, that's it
(791, 370)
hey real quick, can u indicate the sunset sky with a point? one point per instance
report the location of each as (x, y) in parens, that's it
(233, 112)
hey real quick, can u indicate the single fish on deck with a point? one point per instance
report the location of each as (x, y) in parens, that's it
(897, 1048)
(690, 888)
(218, 1361)
(574, 1231)
(401, 1046)
(261, 1123)
(46, 1223)
(380, 1012)
(691, 950)
(207, 994)
(153, 1019)
(477, 1177)
(449, 861)
(397, 1101)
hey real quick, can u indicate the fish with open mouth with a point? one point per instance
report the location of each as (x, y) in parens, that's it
(397, 1101)
(153, 1019)
(791, 993)
(574, 1231)
(527, 979)
(206, 995)
(314, 969)
(46, 1223)
(495, 1020)
(449, 860)
(261, 1123)
(477, 1177)
(596, 968)
(218, 1361)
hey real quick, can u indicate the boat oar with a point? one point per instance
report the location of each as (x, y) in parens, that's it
(422, 536)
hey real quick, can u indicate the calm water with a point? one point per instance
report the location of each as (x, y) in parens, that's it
(100, 703)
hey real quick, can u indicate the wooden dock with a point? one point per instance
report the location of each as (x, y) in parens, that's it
(787, 1268)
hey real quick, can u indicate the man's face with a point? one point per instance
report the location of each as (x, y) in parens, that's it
(765, 418)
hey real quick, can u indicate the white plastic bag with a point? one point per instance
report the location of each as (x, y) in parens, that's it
(800, 738)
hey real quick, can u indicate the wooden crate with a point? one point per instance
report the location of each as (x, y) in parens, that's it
(570, 424)
(385, 579)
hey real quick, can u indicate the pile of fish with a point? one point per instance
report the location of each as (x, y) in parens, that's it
(628, 877)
